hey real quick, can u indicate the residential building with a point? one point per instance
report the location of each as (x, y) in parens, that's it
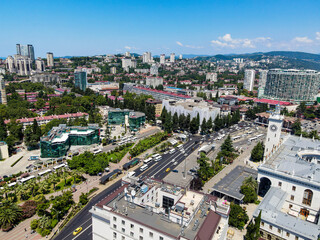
(47, 79)
(180, 57)
(50, 60)
(80, 80)
(18, 47)
(113, 70)
(157, 104)
(192, 107)
(128, 63)
(147, 209)
(147, 57)
(162, 59)
(154, 81)
(22, 65)
(59, 139)
(46, 119)
(25, 50)
(289, 180)
(249, 77)
(4, 151)
(39, 65)
(127, 54)
(212, 77)
(3, 95)
(154, 70)
(262, 82)
(292, 85)
(238, 60)
(172, 57)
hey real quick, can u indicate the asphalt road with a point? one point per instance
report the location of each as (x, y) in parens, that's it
(156, 170)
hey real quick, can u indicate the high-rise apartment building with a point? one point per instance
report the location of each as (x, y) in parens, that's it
(40, 65)
(25, 50)
(292, 85)
(3, 95)
(162, 59)
(172, 57)
(147, 57)
(180, 56)
(212, 77)
(128, 63)
(19, 64)
(80, 80)
(249, 76)
(50, 61)
(154, 70)
(113, 70)
(127, 54)
(262, 82)
(18, 47)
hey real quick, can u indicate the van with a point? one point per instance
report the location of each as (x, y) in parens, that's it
(158, 158)
(172, 151)
(144, 167)
(147, 160)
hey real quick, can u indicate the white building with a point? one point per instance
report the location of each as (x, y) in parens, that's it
(289, 177)
(128, 63)
(147, 57)
(39, 65)
(212, 77)
(162, 59)
(192, 107)
(172, 57)
(249, 76)
(47, 79)
(4, 151)
(127, 54)
(154, 81)
(50, 61)
(113, 70)
(19, 64)
(148, 209)
(180, 56)
(154, 70)
(3, 95)
(238, 60)
(262, 82)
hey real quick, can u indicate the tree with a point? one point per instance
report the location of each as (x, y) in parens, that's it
(296, 127)
(250, 195)
(204, 126)
(238, 216)
(227, 145)
(194, 125)
(253, 229)
(257, 152)
(3, 130)
(175, 122)
(10, 213)
(168, 123)
(209, 124)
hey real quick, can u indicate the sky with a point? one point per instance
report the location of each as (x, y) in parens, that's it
(208, 27)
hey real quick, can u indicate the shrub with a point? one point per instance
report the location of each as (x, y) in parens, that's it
(29, 209)
(238, 216)
(34, 224)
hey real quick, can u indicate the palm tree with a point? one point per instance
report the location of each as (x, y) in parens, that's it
(251, 182)
(9, 214)
(6, 190)
(44, 222)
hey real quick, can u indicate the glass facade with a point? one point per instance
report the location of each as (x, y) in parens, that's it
(117, 117)
(136, 120)
(80, 80)
(292, 85)
(59, 139)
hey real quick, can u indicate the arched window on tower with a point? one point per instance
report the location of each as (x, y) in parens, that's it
(307, 197)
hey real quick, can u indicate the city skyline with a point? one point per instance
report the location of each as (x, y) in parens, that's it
(184, 27)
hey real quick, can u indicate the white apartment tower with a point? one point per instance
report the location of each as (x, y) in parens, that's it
(127, 54)
(262, 82)
(212, 77)
(147, 57)
(249, 76)
(19, 64)
(154, 70)
(39, 65)
(162, 59)
(3, 95)
(172, 57)
(180, 56)
(50, 61)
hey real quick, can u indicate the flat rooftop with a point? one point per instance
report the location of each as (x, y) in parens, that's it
(230, 185)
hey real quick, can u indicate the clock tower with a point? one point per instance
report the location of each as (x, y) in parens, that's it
(274, 132)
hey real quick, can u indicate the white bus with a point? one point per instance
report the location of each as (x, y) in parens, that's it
(172, 151)
(44, 172)
(97, 151)
(158, 158)
(12, 184)
(144, 167)
(252, 139)
(250, 132)
(260, 135)
(155, 155)
(23, 180)
(147, 160)
(180, 146)
(235, 138)
(59, 166)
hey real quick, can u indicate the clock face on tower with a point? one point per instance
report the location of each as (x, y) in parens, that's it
(273, 128)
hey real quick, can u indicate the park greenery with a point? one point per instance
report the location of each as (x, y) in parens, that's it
(253, 229)
(207, 169)
(249, 189)
(227, 153)
(148, 143)
(238, 216)
(257, 152)
(226, 121)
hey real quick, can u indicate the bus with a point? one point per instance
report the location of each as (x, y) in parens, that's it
(158, 158)
(155, 155)
(144, 167)
(44, 172)
(260, 135)
(23, 180)
(34, 158)
(147, 160)
(12, 184)
(180, 146)
(235, 138)
(172, 151)
(97, 151)
(59, 166)
(252, 139)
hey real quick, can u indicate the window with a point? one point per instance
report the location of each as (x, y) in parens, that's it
(270, 227)
(131, 234)
(297, 238)
(269, 237)
(140, 238)
(262, 224)
(151, 234)
(261, 233)
(288, 234)
(131, 225)
(123, 222)
(307, 197)
(141, 230)
(292, 198)
(114, 226)
(123, 230)
(123, 238)
(290, 205)
(160, 238)
(114, 219)
(114, 235)
(279, 230)
(293, 188)
(279, 184)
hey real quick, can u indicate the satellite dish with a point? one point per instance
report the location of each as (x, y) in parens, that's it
(125, 190)
(133, 193)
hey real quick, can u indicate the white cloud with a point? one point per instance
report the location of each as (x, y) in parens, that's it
(227, 41)
(302, 40)
(179, 43)
(317, 35)
(127, 47)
